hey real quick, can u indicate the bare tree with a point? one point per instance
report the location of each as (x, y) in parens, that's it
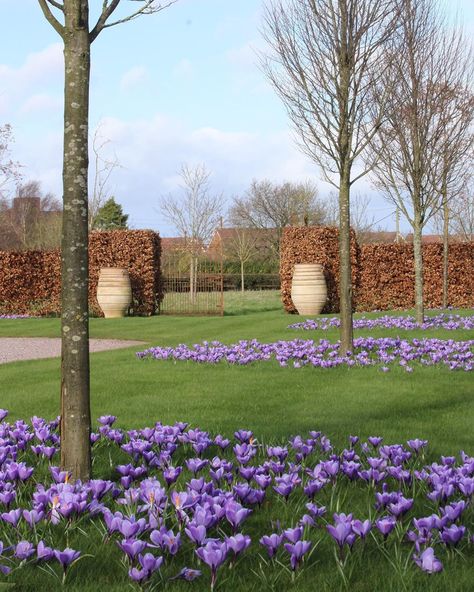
(462, 211)
(456, 113)
(411, 144)
(70, 19)
(325, 58)
(274, 206)
(103, 168)
(195, 213)
(9, 169)
(243, 246)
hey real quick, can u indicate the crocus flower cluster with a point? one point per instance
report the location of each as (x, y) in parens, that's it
(368, 351)
(450, 322)
(186, 502)
(14, 316)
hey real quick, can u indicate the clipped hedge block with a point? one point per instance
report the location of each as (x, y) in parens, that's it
(30, 281)
(387, 276)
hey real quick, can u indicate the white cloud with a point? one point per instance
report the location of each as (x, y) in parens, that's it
(184, 70)
(245, 56)
(39, 71)
(41, 102)
(133, 77)
(151, 152)
(41, 66)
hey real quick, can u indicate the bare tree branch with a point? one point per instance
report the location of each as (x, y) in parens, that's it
(149, 7)
(52, 20)
(57, 5)
(103, 169)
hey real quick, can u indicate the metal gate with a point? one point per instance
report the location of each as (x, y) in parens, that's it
(192, 284)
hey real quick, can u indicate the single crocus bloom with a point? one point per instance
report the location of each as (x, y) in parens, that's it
(297, 551)
(428, 562)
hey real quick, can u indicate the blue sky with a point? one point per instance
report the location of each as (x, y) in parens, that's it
(179, 86)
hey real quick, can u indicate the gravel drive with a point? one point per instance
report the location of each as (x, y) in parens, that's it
(14, 349)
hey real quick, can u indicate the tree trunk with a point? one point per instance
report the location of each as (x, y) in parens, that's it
(242, 278)
(418, 259)
(345, 275)
(75, 402)
(445, 248)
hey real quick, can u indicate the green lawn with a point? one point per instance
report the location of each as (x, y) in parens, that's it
(275, 402)
(430, 403)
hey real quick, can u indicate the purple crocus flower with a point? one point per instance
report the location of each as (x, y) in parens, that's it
(340, 532)
(196, 464)
(131, 547)
(24, 550)
(3, 414)
(271, 543)
(386, 525)
(12, 517)
(428, 562)
(171, 474)
(244, 436)
(307, 520)
(400, 507)
(32, 517)
(247, 472)
(417, 444)
(196, 533)
(238, 543)
(360, 528)
(297, 551)
(292, 535)
(149, 562)
(235, 513)
(353, 440)
(222, 442)
(454, 510)
(213, 553)
(263, 481)
(284, 487)
(44, 553)
(466, 486)
(100, 487)
(315, 510)
(313, 486)
(453, 534)
(66, 557)
(375, 440)
(129, 527)
(107, 420)
(138, 575)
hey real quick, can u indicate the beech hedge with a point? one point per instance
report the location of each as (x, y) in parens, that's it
(30, 281)
(383, 276)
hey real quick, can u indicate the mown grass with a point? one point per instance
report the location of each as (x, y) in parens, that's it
(274, 402)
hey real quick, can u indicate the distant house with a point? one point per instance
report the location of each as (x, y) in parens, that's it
(175, 252)
(172, 244)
